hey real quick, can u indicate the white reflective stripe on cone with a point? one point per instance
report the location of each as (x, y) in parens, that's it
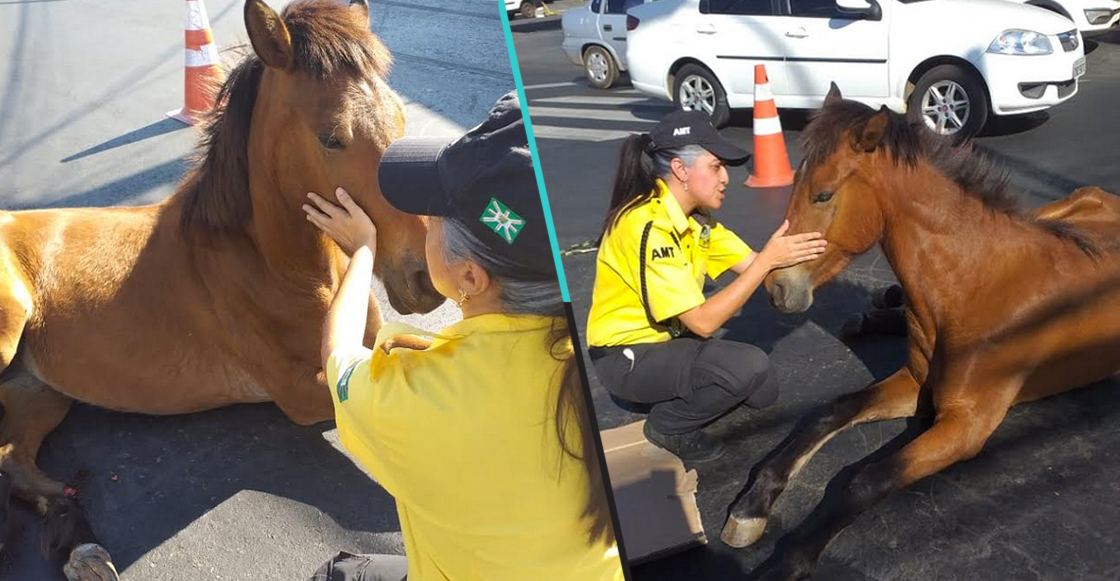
(202, 58)
(196, 16)
(762, 92)
(768, 126)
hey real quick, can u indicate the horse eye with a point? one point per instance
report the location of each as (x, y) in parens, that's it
(330, 142)
(822, 197)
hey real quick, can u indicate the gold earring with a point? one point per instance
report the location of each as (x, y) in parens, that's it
(463, 297)
(685, 182)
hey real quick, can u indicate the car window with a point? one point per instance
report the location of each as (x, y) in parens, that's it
(745, 7)
(595, 6)
(621, 6)
(816, 9)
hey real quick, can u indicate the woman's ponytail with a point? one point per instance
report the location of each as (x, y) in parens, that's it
(633, 182)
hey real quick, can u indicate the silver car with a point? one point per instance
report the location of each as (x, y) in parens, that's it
(595, 39)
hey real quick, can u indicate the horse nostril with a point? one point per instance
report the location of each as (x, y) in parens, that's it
(419, 282)
(778, 292)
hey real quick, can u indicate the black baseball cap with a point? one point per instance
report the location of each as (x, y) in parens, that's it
(484, 179)
(681, 128)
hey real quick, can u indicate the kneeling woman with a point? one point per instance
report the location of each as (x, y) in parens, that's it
(650, 322)
(483, 438)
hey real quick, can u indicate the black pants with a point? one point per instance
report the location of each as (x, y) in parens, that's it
(347, 567)
(690, 382)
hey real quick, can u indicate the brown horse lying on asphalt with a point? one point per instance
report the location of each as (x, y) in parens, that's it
(217, 295)
(1002, 306)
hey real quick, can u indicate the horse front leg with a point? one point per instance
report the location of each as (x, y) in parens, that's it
(302, 394)
(960, 429)
(894, 397)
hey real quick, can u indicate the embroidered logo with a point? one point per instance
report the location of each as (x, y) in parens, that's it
(663, 252)
(705, 236)
(343, 388)
(681, 131)
(502, 220)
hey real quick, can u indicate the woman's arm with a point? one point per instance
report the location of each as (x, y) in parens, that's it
(346, 320)
(355, 233)
(741, 266)
(781, 251)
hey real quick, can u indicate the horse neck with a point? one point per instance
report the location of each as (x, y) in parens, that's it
(289, 245)
(935, 231)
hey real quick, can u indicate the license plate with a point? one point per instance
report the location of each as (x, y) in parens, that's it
(1078, 68)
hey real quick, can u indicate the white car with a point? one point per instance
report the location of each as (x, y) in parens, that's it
(950, 62)
(595, 39)
(1090, 16)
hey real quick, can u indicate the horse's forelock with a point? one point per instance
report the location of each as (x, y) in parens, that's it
(331, 39)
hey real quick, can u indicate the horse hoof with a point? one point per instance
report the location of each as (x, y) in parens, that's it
(90, 562)
(741, 533)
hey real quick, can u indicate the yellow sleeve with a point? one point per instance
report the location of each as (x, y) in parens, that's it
(341, 366)
(665, 280)
(724, 251)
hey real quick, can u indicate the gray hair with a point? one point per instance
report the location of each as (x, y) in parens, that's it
(519, 295)
(662, 160)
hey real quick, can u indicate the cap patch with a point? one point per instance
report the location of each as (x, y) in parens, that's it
(682, 131)
(502, 220)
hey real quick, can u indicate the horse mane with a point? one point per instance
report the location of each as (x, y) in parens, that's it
(910, 141)
(328, 40)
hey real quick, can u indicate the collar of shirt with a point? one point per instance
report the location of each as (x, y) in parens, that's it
(681, 223)
(496, 323)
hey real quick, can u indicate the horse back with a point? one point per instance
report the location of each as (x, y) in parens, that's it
(1092, 210)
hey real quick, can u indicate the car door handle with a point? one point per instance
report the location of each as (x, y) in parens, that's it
(706, 30)
(608, 27)
(797, 33)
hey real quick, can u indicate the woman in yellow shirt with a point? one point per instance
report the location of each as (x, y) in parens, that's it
(650, 323)
(483, 438)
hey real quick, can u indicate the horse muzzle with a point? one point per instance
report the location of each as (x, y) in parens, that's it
(790, 290)
(410, 289)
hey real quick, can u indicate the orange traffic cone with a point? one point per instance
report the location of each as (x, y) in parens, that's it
(203, 75)
(771, 162)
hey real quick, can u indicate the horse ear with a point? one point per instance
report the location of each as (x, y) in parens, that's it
(267, 33)
(361, 5)
(873, 131)
(833, 95)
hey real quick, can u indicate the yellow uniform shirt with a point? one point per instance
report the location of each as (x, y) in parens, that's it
(651, 268)
(462, 435)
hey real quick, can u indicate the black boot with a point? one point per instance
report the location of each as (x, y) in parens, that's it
(694, 446)
(5, 508)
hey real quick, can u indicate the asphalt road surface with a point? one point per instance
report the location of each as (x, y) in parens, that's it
(1040, 502)
(239, 493)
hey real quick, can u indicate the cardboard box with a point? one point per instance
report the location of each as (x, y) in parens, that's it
(654, 495)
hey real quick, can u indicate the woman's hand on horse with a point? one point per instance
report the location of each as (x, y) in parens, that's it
(347, 224)
(782, 251)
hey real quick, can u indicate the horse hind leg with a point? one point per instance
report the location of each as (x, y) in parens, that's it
(34, 410)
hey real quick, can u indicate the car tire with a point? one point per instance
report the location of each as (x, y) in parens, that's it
(940, 91)
(528, 9)
(600, 68)
(704, 93)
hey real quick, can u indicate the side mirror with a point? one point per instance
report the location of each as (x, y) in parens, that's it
(866, 9)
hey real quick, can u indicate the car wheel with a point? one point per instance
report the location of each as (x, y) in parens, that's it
(697, 89)
(600, 68)
(528, 9)
(950, 100)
